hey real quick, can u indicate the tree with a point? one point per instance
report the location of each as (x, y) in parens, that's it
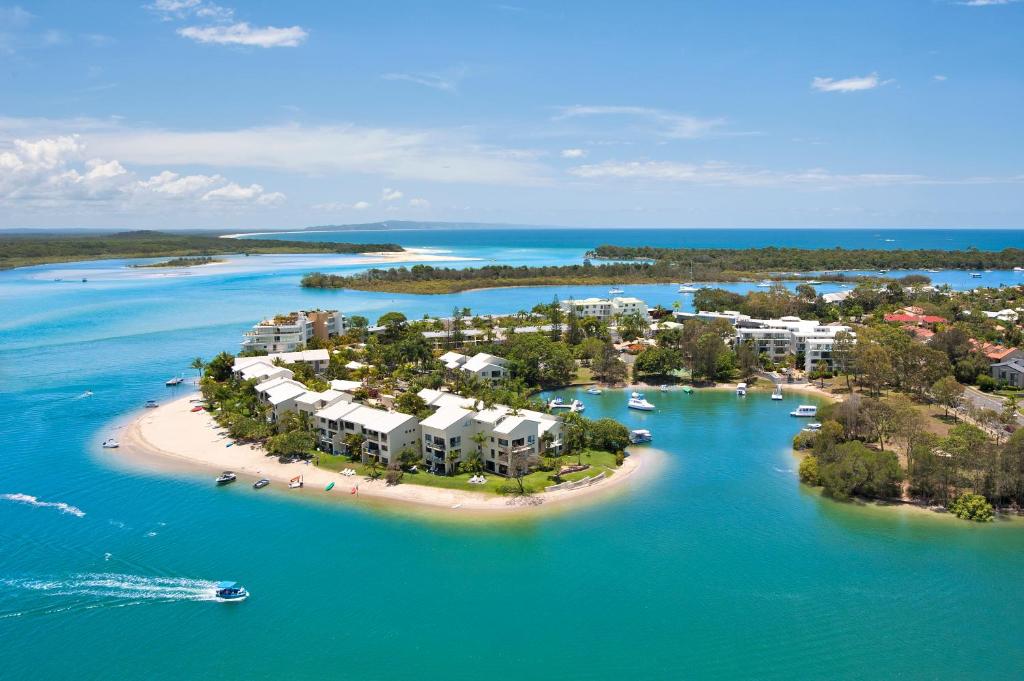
(632, 326)
(411, 403)
(518, 467)
(373, 466)
(706, 354)
(574, 433)
(608, 367)
(972, 507)
(607, 435)
(821, 370)
(219, 368)
(198, 365)
(842, 355)
(873, 364)
(657, 361)
(354, 445)
(808, 471)
(747, 358)
(948, 392)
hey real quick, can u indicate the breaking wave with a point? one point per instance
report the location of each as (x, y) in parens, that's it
(34, 501)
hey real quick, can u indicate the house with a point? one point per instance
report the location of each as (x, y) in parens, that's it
(289, 332)
(319, 359)
(452, 433)
(905, 317)
(733, 317)
(1006, 315)
(437, 399)
(260, 370)
(280, 395)
(1010, 372)
(345, 386)
(996, 353)
(837, 296)
(384, 433)
(311, 402)
(606, 309)
(486, 367)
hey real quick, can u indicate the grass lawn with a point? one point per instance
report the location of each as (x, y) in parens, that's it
(534, 482)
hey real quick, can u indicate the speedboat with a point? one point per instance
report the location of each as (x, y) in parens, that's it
(110, 443)
(975, 275)
(151, 404)
(295, 482)
(639, 436)
(559, 403)
(637, 401)
(741, 389)
(173, 381)
(808, 410)
(777, 393)
(764, 284)
(230, 591)
(812, 427)
(261, 483)
(1018, 269)
(663, 388)
(934, 271)
(226, 478)
(688, 288)
(594, 391)
(615, 290)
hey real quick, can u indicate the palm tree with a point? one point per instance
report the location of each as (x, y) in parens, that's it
(198, 365)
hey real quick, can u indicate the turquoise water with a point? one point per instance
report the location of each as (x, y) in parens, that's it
(719, 565)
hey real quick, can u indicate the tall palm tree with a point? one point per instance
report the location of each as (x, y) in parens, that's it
(198, 365)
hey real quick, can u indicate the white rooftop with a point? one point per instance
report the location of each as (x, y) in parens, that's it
(445, 417)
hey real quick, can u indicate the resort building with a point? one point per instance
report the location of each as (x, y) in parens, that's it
(730, 316)
(486, 367)
(319, 359)
(384, 433)
(311, 402)
(437, 399)
(289, 332)
(452, 433)
(606, 309)
(280, 395)
(261, 370)
(791, 336)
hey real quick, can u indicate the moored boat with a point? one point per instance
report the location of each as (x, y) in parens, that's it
(741, 389)
(230, 592)
(637, 401)
(812, 427)
(806, 410)
(170, 382)
(688, 288)
(261, 483)
(777, 393)
(111, 443)
(225, 478)
(594, 391)
(295, 482)
(639, 436)
(663, 388)
(151, 404)
(615, 290)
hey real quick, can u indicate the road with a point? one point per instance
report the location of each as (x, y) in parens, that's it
(980, 400)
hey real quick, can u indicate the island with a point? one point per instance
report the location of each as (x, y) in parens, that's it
(194, 261)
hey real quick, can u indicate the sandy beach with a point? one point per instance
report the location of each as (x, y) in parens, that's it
(175, 433)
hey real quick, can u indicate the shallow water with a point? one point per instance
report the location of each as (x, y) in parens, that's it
(720, 565)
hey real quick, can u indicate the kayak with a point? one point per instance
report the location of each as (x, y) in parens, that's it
(329, 487)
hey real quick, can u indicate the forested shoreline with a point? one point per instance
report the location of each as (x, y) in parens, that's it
(25, 250)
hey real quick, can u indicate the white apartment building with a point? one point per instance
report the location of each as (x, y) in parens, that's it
(289, 332)
(482, 365)
(261, 370)
(606, 309)
(448, 436)
(319, 359)
(385, 433)
(280, 394)
(791, 335)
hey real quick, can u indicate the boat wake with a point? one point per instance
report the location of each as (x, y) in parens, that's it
(98, 589)
(33, 501)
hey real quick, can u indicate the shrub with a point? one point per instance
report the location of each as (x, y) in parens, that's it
(809, 471)
(804, 440)
(972, 507)
(620, 457)
(986, 383)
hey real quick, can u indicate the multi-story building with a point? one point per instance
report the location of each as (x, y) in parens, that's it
(289, 332)
(486, 367)
(606, 309)
(318, 359)
(384, 433)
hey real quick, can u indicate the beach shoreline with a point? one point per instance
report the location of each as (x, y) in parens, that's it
(173, 434)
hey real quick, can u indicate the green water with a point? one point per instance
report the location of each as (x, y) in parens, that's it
(715, 565)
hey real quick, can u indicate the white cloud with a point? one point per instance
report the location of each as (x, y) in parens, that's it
(389, 194)
(669, 124)
(419, 203)
(573, 153)
(57, 171)
(361, 205)
(854, 84)
(939, 77)
(244, 34)
(986, 3)
(447, 81)
(724, 174)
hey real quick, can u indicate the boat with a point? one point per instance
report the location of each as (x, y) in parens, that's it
(177, 380)
(640, 436)
(688, 389)
(196, 408)
(1018, 269)
(111, 443)
(329, 487)
(741, 389)
(777, 393)
(84, 280)
(764, 284)
(615, 290)
(663, 388)
(688, 288)
(637, 401)
(975, 275)
(934, 271)
(295, 482)
(151, 404)
(230, 592)
(226, 478)
(594, 391)
(261, 483)
(807, 410)
(813, 282)
(812, 427)
(558, 403)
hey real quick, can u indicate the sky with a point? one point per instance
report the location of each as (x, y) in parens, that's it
(271, 115)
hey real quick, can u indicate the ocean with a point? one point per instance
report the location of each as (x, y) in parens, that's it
(718, 565)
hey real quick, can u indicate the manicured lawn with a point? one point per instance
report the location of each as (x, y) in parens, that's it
(534, 482)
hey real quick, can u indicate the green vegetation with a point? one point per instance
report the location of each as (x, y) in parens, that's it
(23, 250)
(972, 507)
(183, 262)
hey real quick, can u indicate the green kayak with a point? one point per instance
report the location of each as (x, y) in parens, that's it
(329, 487)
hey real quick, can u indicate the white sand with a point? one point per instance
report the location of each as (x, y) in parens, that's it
(193, 438)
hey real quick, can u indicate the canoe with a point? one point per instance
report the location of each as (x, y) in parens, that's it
(329, 487)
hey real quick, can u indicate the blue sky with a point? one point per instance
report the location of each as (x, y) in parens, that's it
(187, 113)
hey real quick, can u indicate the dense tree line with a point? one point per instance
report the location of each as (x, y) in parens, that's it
(20, 250)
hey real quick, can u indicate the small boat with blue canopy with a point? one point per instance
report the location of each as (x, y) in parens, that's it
(231, 591)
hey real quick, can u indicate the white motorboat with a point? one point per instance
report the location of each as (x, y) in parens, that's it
(640, 436)
(637, 401)
(777, 393)
(764, 284)
(741, 389)
(806, 410)
(170, 382)
(594, 391)
(975, 275)
(111, 443)
(664, 388)
(558, 403)
(812, 427)
(813, 282)
(688, 288)
(1018, 269)
(295, 482)
(615, 290)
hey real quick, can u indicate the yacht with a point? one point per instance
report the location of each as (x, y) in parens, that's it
(688, 288)
(173, 381)
(1018, 269)
(230, 591)
(226, 478)
(637, 401)
(640, 436)
(615, 290)
(741, 389)
(594, 391)
(111, 443)
(934, 271)
(151, 404)
(808, 410)
(261, 483)
(777, 393)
